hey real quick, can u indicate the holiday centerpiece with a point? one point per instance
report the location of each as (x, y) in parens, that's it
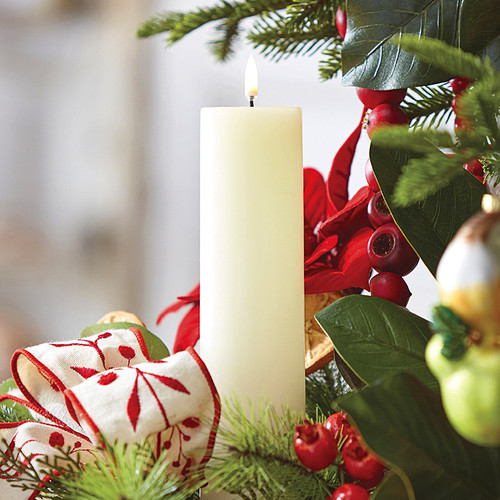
(111, 415)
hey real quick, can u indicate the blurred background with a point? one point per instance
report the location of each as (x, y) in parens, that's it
(99, 141)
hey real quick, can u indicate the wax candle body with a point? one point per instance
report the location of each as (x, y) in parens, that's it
(251, 258)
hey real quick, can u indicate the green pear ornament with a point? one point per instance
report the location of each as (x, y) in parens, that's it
(464, 355)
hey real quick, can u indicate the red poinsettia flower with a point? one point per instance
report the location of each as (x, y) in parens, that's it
(336, 234)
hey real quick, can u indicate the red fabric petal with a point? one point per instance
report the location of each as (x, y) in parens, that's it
(322, 249)
(352, 268)
(314, 197)
(338, 178)
(357, 204)
(188, 332)
(191, 297)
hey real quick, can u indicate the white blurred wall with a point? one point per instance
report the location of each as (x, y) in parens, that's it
(99, 138)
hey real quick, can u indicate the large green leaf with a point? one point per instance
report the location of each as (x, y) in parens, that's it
(403, 422)
(377, 338)
(429, 225)
(156, 348)
(371, 59)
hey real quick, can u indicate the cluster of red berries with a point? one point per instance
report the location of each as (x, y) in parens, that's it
(317, 447)
(388, 250)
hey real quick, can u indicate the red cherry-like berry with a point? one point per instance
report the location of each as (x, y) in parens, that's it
(383, 115)
(370, 177)
(339, 425)
(390, 286)
(315, 445)
(372, 98)
(460, 84)
(341, 21)
(349, 491)
(378, 213)
(475, 167)
(388, 250)
(359, 463)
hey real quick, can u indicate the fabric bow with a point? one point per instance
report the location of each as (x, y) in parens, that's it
(107, 386)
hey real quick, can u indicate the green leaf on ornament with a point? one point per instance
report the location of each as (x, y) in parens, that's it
(156, 348)
(9, 410)
(393, 488)
(404, 423)
(377, 338)
(431, 224)
(371, 59)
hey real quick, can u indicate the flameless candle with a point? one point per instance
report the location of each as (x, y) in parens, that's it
(252, 277)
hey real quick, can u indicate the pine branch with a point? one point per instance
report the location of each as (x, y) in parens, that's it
(277, 37)
(255, 457)
(322, 388)
(428, 106)
(14, 413)
(178, 25)
(120, 471)
(332, 65)
(304, 14)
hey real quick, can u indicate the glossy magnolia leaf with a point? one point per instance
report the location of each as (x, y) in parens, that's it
(156, 348)
(377, 338)
(371, 59)
(404, 423)
(429, 225)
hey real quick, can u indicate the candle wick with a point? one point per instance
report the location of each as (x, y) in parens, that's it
(251, 101)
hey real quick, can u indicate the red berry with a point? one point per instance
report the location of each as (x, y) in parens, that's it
(338, 424)
(455, 102)
(349, 491)
(341, 21)
(315, 445)
(388, 250)
(378, 213)
(372, 98)
(459, 84)
(475, 167)
(390, 286)
(383, 115)
(359, 462)
(370, 177)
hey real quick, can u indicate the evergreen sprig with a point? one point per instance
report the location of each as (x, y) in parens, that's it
(428, 107)
(276, 37)
(119, 471)
(255, 457)
(230, 14)
(478, 108)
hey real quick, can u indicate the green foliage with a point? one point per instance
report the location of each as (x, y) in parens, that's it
(322, 388)
(280, 28)
(429, 225)
(404, 423)
(479, 107)
(255, 456)
(119, 472)
(372, 60)
(377, 338)
(428, 107)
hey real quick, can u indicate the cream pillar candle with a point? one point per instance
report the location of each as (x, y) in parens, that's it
(252, 279)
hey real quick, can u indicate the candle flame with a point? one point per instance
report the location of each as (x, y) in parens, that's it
(251, 78)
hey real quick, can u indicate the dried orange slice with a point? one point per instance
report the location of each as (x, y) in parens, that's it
(120, 317)
(319, 347)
